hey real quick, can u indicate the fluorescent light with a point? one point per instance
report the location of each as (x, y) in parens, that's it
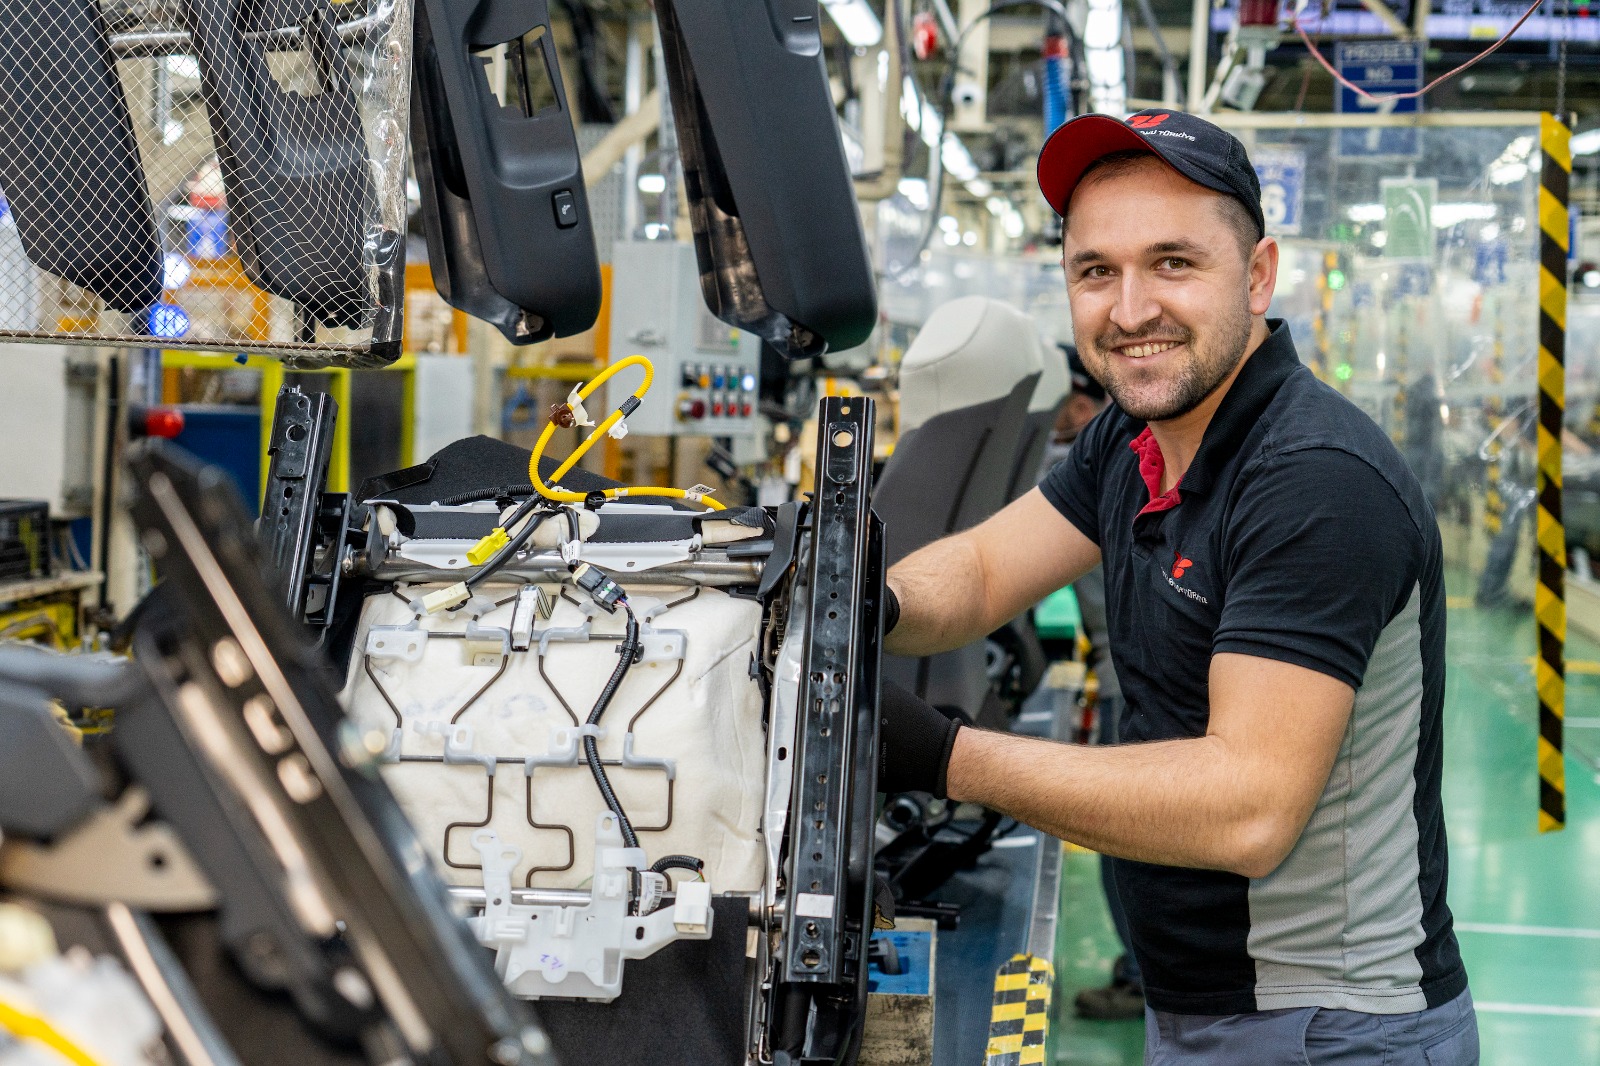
(952, 238)
(856, 21)
(1454, 214)
(1508, 173)
(1365, 213)
(654, 184)
(1586, 143)
(979, 188)
(949, 224)
(969, 238)
(916, 191)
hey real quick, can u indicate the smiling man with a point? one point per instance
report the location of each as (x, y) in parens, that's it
(1275, 604)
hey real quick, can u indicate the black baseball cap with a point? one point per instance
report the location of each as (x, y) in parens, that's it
(1205, 154)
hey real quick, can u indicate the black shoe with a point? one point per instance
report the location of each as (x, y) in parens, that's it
(1117, 1001)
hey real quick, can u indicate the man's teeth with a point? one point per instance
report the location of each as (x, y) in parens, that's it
(1139, 351)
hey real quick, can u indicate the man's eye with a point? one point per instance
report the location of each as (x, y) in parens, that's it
(1096, 272)
(1172, 262)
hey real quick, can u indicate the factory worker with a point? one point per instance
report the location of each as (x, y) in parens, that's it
(1276, 610)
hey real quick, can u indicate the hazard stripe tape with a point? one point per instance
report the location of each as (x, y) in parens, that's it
(1549, 599)
(1019, 1021)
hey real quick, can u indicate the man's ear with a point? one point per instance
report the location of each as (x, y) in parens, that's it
(1263, 275)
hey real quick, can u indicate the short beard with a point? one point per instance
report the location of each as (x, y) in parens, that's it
(1197, 379)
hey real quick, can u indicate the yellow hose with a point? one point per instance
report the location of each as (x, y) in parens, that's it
(600, 431)
(33, 1027)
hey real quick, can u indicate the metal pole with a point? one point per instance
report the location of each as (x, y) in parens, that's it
(1199, 42)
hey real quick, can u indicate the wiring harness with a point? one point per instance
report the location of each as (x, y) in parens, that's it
(570, 414)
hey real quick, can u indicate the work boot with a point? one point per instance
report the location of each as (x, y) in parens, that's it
(1117, 1001)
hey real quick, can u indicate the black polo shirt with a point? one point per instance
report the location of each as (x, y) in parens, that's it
(1297, 534)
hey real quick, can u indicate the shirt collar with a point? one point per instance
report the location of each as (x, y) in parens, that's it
(1264, 372)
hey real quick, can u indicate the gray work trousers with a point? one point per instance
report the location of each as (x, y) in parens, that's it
(1446, 1035)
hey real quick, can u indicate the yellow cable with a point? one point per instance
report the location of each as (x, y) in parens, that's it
(600, 431)
(33, 1027)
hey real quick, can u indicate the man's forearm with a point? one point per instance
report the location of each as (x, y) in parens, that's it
(941, 593)
(1178, 803)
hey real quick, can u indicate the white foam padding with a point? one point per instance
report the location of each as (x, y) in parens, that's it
(970, 351)
(709, 720)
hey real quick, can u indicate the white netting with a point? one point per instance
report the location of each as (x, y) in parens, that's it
(218, 174)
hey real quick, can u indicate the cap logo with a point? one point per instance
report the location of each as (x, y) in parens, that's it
(1144, 122)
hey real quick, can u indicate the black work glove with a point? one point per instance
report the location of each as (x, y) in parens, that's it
(891, 610)
(914, 742)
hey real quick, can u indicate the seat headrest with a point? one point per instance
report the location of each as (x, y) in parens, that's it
(970, 351)
(1054, 382)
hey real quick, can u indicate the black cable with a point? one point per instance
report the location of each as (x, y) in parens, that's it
(625, 653)
(476, 495)
(678, 862)
(514, 545)
(946, 99)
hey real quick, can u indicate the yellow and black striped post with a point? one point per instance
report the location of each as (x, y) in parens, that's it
(1019, 1021)
(1549, 598)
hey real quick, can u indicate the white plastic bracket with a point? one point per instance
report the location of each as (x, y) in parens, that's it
(406, 643)
(578, 951)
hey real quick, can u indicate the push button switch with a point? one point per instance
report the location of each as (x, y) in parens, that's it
(566, 209)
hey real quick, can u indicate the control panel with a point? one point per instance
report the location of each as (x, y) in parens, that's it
(707, 373)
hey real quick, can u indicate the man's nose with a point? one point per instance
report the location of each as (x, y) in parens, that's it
(1135, 306)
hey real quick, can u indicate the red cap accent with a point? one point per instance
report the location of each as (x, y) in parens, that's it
(1078, 145)
(163, 422)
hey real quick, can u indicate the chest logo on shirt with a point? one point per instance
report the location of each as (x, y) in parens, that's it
(1180, 566)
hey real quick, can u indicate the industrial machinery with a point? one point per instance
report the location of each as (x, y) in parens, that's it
(637, 742)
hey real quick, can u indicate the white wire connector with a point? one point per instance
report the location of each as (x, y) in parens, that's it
(446, 598)
(618, 431)
(580, 417)
(697, 492)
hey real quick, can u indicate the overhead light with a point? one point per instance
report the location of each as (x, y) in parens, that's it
(1365, 213)
(1591, 279)
(916, 191)
(654, 184)
(949, 224)
(1586, 143)
(951, 237)
(1445, 215)
(856, 21)
(1508, 173)
(969, 238)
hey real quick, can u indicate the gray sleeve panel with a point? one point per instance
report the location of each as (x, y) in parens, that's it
(1338, 923)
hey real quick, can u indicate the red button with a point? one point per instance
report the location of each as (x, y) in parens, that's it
(163, 422)
(692, 409)
(716, 409)
(747, 410)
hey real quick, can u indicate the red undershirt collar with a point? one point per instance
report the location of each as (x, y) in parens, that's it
(1151, 466)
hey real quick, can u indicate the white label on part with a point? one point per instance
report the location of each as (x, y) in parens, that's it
(813, 905)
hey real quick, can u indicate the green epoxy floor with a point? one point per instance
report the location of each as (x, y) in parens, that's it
(1527, 906)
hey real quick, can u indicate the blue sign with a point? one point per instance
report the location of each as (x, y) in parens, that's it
(1382, 68)
(1282, 173)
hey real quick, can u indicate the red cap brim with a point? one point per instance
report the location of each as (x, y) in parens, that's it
(1075, 147)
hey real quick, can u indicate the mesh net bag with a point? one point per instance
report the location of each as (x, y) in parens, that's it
(205, 174)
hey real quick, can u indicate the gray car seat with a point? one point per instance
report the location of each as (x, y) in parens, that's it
(965, 386)
(1055, 381)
